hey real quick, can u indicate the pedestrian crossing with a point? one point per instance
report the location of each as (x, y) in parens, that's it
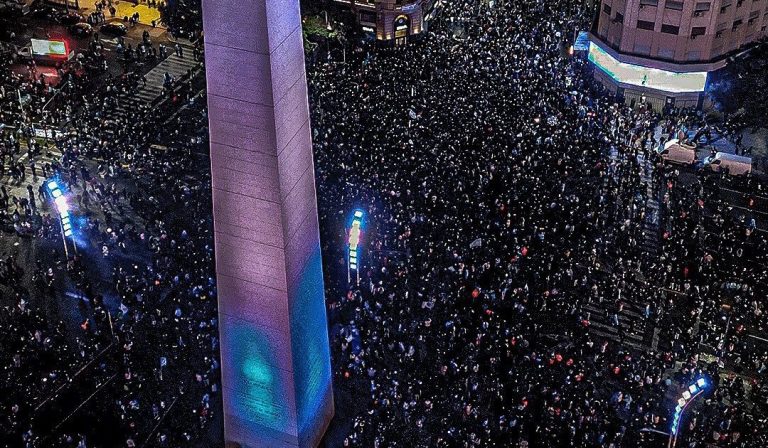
(174, 65)
(34, 165)
(147, 93)
(652, 221)
(630, 323)
(34, 173)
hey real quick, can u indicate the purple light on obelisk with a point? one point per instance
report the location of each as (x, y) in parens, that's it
(276, 373)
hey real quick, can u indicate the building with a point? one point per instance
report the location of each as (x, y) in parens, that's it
(275, 356)
(661, 51)
(391, 21)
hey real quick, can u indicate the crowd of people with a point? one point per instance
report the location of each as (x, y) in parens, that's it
(142, 356)
(535, 275)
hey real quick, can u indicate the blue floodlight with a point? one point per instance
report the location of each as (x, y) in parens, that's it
(56, 193)
(701, 382)
(52, 185)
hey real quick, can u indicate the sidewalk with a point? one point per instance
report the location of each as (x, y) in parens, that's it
(125, 8)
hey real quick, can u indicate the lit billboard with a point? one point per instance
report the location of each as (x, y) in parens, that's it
(49, 48)
(653, 78)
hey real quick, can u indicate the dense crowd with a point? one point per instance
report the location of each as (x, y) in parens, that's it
(143, 357)
(535, 275)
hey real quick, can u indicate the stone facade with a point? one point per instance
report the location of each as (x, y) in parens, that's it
(276, 375)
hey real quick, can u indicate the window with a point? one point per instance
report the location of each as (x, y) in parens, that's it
(721, 28)
(649, 3)
(703, 6)
(675, 5)
(666, 53)
(367, 16)
(724, 8)
(619, 17)
(693, 55)
(645, 25)
(698, 31)
(736, 25)
(642, 48)
(607, 9)
(670, 29)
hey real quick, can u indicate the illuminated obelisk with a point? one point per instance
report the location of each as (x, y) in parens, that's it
(274, 335)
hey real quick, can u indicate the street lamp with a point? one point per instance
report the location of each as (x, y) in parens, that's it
(694, 390)
(65, 222)
(353, 246)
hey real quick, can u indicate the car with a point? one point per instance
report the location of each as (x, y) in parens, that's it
(678, 153)
(730, 163)
(81, 29)
(46, 13)
(114, 29)
(70, 18)
(24, 53)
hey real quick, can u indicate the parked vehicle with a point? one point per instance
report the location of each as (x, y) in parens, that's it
(70, 18)
(678, 153)
(729, 163)
(81, 29)
(46, 13)
(114, 29)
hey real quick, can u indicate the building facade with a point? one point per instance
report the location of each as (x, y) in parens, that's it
(391, 21)
(275, 357)
(674, 36)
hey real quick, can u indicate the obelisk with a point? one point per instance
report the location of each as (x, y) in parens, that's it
(276, 374)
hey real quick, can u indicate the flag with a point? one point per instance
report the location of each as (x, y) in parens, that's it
(477, 243)
(163, 361)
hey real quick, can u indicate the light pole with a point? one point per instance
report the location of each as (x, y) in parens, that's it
(353, 246)
(65, 223)
(694, 390)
